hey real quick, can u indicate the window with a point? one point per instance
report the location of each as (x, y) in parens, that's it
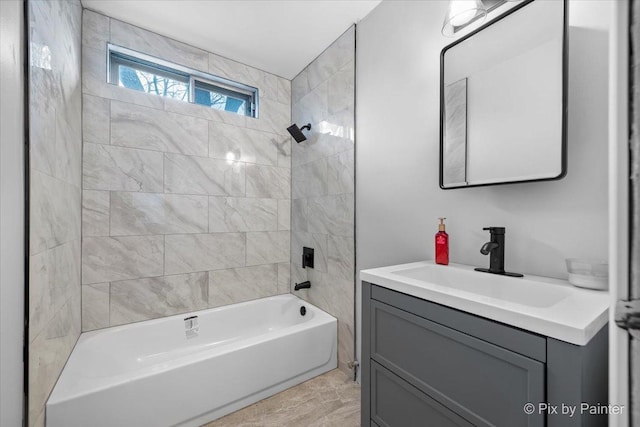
(147, 74)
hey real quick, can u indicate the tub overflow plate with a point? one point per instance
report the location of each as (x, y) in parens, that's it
(191, 328)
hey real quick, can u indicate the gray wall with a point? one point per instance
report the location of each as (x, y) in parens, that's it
(399, 200)
(169, 225)
(323, 185)
(55, 133)
(398, 197)
(12, 49)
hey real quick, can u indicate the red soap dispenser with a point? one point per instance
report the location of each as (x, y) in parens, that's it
(442, 244)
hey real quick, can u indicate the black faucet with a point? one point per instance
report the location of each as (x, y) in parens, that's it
(303, 285)
(495, 250)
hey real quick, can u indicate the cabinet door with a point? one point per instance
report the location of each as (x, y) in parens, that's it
(396, 403)
(481, 382)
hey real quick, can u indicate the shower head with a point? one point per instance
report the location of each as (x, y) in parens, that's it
(296, 132)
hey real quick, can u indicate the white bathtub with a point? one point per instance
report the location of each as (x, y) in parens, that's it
(152, 374)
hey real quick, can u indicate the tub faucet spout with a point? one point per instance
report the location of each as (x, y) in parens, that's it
(303, 285)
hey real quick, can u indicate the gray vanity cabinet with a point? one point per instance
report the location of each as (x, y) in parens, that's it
(428, 365)
(480, 381)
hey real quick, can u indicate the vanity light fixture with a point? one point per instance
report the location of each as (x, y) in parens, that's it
(460, 13)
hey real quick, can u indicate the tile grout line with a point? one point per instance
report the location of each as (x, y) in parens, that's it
(109, 304)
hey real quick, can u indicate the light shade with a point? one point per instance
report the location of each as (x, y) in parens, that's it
(460, 13)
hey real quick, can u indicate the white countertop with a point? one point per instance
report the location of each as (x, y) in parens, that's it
(549, 307)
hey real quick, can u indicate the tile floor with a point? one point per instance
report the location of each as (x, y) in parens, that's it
(330, 400)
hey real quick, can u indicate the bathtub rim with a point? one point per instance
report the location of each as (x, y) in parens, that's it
(85, 336)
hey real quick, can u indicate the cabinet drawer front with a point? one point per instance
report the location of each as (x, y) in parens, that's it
(396, 403)
(526, 343)
(484, 383)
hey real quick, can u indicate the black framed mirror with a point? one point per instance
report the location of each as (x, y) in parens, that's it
(503, 92)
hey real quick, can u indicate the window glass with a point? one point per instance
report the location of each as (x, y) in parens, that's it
(222, 99)
(154, 83)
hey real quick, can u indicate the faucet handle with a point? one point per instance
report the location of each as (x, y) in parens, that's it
(307, 257)
(495, 230)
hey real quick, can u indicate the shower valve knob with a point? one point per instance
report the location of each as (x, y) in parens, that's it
(307, 257)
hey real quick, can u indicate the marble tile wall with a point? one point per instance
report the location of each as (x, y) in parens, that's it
(322, 211)
(55, 138)
(169, 225)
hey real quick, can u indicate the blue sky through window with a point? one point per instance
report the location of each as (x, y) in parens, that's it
(152, 83)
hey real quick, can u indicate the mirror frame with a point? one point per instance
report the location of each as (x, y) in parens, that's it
(565, 62)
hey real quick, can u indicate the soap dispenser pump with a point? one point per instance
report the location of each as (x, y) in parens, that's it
(442, 244)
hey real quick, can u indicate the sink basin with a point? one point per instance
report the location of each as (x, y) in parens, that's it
(546, 306)
(533, 293)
